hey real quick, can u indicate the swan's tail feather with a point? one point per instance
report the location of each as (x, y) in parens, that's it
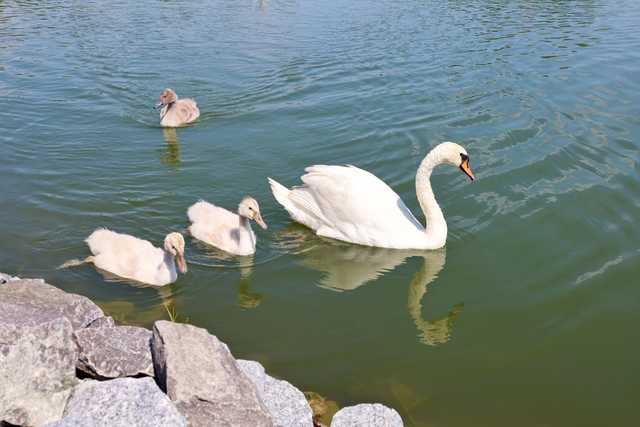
(304, 202)
(284, 196)
(280, 192)
(299, 203)
(75, 262)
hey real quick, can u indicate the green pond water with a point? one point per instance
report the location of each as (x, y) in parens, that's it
(528, 317)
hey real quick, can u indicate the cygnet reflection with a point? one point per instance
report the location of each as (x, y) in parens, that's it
(247, 298)
(134, 303)
(170, 155)
(211, 257)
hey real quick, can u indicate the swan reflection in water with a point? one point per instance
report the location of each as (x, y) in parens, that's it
(247, 298)
(170, 155)
(346, 267)
(212, 257)
(165, 299)
(124, 296)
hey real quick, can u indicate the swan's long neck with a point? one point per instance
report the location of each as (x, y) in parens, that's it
(436, 226)
(165, 109)
(245, 224)
(169, 260)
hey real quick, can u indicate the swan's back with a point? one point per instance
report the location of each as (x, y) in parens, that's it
(348, 203)
(207, 214)
(130, 257)
(182, 112)
(104, 242)
(221, 228)
(187, 110)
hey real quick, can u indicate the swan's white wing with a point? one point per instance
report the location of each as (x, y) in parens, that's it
(354, 205)
(211, 223)
(209, 214)
(107, 242)
(221, 228)
(182, 112)
(188, 110)
(129, 257)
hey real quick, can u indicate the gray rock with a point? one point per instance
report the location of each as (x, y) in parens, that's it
(102, 322)
(200, 375)
(37, 350)
(37, 370)
(30, 302)
(113, 352)
(125, 402)
(367, 415)
(287, 404)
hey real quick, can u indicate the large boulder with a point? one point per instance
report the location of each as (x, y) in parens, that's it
(112, 352)
(123, 402)
(37, 369)
(367, 414)
(32, 301)
(37, 351)
(198, 372)
(287, 404)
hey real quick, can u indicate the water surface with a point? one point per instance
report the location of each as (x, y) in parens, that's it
(529, 315)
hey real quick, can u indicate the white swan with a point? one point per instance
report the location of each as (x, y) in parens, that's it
(225, 230)
(132, 258)
(176, 112)
(350, 204)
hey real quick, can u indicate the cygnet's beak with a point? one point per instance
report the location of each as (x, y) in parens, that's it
(464, 167)
(258, 219)
(159, 105)
(182, 263)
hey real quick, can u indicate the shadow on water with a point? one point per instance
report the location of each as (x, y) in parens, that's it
(346, 267)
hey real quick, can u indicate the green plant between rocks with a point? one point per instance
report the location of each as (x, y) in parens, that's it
(173, 314)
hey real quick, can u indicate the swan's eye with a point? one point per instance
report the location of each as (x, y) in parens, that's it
(464, 166)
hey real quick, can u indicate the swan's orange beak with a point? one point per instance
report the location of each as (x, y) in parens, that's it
(258, 219)
(182, 263)
(464, 167)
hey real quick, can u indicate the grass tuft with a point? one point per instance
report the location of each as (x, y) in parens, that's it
(173, 314)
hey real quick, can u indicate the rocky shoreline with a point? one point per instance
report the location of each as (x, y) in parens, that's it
(64, 363)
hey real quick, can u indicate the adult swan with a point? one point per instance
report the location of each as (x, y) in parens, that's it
(350, 204)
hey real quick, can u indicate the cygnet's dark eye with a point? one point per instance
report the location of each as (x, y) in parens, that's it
(250, 208)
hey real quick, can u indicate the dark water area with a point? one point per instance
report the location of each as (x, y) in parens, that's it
(527, 317)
